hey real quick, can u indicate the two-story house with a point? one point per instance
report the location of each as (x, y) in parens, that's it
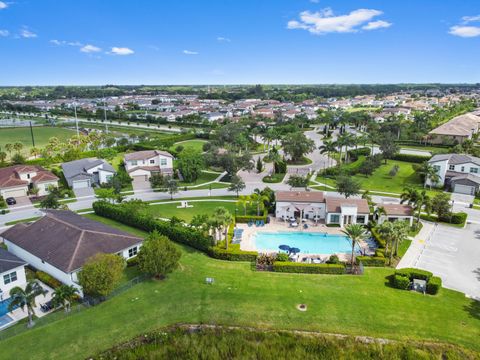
(84, 173)
(458, 172)
(143, 164)
(17, 180)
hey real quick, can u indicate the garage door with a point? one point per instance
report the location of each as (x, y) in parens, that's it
(14, 193)
(81, 184)
(464, 189)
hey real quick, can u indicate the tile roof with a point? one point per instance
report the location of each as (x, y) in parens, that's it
(397, 209)
(300, 196)
(10, 176)
(334, 204)
(455, 159)
(146, 154)
(8, 261)
(66, 240)
(463, 125)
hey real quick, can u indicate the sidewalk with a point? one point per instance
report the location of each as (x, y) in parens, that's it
(417, 246)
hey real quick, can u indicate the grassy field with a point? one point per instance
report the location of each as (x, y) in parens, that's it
(203, 178)
(190, 144)
(41, 134)
(380, 180)
(203, 207)
(353, 305)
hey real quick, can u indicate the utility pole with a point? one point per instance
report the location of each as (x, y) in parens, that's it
(76, 119)
(105, 111)
(31, 133)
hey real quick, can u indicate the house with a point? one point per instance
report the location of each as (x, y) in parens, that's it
(314, 205)
(12, 273)
(84, 173)
(17, 180)
(143, 164)
(458, 172)
(60, 243)
(457, 130)
(395, 212)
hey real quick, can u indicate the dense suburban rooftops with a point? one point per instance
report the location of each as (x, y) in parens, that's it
(66, 240)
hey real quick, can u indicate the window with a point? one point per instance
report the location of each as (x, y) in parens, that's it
(133, 162)
(9, 278)
(451, 167)
(28, 176)
(474, 170)
(361, 219)
(132, 251)
(462, 169)
(335, 219)
(152, 161)
(163, 161)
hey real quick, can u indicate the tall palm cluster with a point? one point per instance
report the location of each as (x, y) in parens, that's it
(419, 200)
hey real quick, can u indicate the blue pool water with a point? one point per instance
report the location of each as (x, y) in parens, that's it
(4, 318)
(307, 242)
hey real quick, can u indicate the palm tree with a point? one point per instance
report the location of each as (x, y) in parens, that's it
(356, 233)
(64, 295)
(26, 298)
(3, 157)
(244, 201)
(18, 146)
(394, 233)
(221, 219)
(34, 151)
(9, 148)
(409, 195)
(328, 147)
(259, 201)
(429, 173)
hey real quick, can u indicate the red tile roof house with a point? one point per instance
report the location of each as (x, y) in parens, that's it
(15, 181)
(60, 243)
(143, 164)
(394, 212)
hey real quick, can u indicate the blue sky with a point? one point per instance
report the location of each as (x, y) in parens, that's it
(93, 42)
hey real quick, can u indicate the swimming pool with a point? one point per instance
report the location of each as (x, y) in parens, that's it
(4, 318)
(307, 242)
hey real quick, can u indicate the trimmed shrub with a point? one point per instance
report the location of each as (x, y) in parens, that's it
(232, 255)
(177, 233)
(380, 241)
(380, 253)
(434, 285)
(132, 261)
(401, 282)
(47, 279)
(412, 273)
(293, 267)
(248, 218)
(373, 261)
(282, 257)
(459, 218)
(411, 158)
(355, 154)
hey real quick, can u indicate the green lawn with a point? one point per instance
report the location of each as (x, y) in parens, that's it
(41, 135)
(196, 145)
(380, 180)
(204, 177)
(354, 305)
(203, 207)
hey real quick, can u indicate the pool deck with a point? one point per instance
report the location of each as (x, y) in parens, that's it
(248, 244)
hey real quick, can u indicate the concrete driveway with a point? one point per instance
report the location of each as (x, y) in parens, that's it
(22, 201)
(88, 191)
(453, 254)
(140, 184)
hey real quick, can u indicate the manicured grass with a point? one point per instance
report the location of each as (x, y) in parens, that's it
(170, 210)
(41, 134)
(204, 177)
(380, 180)
(196, 145)
(216, 185)
(303, 161)
(276, 178)
(353, 305)
(403, 247)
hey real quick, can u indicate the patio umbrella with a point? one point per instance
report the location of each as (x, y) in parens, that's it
(284, 247)
(294, 250)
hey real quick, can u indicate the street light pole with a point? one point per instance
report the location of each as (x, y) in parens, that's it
(76, 119)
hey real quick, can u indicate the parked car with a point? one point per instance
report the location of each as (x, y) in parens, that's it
(10, 201)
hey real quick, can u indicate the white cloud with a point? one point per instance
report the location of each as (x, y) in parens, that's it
(469, 19)
(4, 33)
(3, 5)
(121, 51)
(465, 31)
(325, 21)
(379, 24)
(90, 49)
(315, 1)
(223, 39)
(189, 52)
(57, 42)
(27, 34)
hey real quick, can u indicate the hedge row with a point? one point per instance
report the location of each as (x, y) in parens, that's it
(177, 233)
(47, 279)
(232, 255)
(403, 278)
(411, 158)
(456, 218)
(434, 285)
(412, 273)
(355, 154)
(293, 267)
(245, 219)
(374, 261)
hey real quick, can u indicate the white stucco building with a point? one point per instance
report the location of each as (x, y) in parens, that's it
(12, 273)
(395, 212)
(143, 164)
(84, 173)
(61, 242)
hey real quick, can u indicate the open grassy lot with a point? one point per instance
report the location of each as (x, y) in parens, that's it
(203, 178)
(41, 134)
(354, 305)
(190, 144)
(380, 180)
(201, 207)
